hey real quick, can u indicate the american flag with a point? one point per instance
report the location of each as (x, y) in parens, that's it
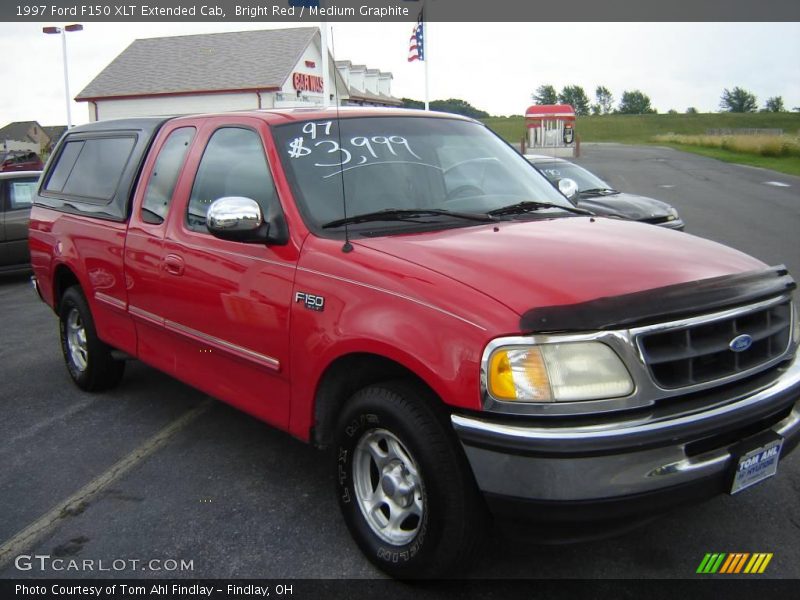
(416, 49)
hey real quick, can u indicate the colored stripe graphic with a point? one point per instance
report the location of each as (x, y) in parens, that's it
(759, 562)
(741, 562)
(732, 560)
(724, 563)
(703, 564)
(711, 563)
(734, 563)
(716, 565)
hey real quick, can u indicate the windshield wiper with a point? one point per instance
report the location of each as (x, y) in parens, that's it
(407, 214)
(599, 191)
(530, 206)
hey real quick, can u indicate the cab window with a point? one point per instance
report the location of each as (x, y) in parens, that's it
(158, 194)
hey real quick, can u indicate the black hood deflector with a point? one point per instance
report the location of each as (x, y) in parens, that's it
(660, 304)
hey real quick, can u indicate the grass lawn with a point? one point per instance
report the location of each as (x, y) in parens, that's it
(787, 164)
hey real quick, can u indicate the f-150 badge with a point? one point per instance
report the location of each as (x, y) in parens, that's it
(310, 301)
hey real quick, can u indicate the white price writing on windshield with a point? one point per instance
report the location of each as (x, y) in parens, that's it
(367, 149)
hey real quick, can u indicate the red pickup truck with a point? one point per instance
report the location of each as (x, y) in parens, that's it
(404, 289)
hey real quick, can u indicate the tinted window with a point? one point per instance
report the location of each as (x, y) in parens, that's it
(66, 161)
(233, 164)
(21, 192)
(91, 168)
(165, 173)
(559, 170)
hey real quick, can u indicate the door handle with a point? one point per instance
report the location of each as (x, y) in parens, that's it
(173, 264)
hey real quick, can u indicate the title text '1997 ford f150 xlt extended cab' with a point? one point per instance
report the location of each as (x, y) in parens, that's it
(405, 289)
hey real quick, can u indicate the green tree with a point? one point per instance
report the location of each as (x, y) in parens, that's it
(459, 107)
(737, 100)
(576, 98)
(672, 111)
(545, 94)
(451, 105)
(411, 103)
(691, 110)
(605, 101)
(774, 104)
(635, 102)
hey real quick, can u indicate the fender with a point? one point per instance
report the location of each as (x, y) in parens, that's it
(429, 326)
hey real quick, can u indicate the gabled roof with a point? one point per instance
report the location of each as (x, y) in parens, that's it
(18, 131)
(367, 96)
(242, 60)
(54, 132)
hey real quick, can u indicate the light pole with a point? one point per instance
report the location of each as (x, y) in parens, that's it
(63, 32)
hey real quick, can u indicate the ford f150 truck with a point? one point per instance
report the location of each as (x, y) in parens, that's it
(404, 289)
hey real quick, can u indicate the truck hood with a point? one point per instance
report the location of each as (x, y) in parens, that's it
(529, 264)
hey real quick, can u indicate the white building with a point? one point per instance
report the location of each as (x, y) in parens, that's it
(275, 68)
(366, 87)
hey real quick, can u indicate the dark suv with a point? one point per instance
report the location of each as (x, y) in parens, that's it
(16, 197)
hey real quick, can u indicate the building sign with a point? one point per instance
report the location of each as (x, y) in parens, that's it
(307, 83)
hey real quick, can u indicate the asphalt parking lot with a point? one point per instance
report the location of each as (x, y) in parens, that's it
(177, 476)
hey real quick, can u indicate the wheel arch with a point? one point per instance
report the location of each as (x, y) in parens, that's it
(63, 279)
(349, 373)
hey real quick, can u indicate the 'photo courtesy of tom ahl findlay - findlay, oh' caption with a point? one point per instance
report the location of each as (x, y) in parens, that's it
(278, 590)
(206, 10)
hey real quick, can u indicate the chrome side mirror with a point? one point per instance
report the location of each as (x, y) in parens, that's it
(568, 187)
(237, 219)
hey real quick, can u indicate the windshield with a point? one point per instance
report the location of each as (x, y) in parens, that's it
(405, 163)
(585, 180)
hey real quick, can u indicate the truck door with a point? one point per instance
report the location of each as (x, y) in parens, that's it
(144, 242)
(225, 303)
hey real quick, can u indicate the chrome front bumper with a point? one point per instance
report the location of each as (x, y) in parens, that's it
(578, 464)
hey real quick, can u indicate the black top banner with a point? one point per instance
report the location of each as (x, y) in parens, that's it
(312, 11)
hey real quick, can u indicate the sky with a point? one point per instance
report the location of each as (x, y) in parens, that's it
(494, 66)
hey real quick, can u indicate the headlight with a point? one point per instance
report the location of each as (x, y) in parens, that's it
(673, 214)
(566, 372)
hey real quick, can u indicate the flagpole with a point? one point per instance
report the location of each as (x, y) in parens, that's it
(426, 50)
(323, 31)
(418, 47)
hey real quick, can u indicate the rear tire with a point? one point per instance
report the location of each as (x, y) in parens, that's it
(89, 360)
(405, 489)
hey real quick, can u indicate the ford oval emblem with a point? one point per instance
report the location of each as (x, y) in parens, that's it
(741, 343)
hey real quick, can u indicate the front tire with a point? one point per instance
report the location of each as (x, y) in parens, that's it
(404, 487)
(89, 360)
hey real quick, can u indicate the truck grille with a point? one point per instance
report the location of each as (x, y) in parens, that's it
(700, 352)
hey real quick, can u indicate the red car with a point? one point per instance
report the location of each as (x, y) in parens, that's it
(20, 161)
(404, 289)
